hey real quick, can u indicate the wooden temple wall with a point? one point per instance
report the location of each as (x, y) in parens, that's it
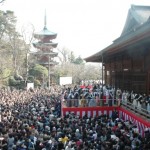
(147, 68)
(126, 79)
(129, 72)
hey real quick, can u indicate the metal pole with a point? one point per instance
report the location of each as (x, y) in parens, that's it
(0, 112)
(27, 69)
(102, 71)
(102, 81)
(49, 79)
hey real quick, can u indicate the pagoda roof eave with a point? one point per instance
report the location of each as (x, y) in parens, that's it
(52, 54)
(45, 33)
(41, 36)
(41, 45)
(48, 63)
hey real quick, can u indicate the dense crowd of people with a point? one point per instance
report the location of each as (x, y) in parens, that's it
(98, 95)
(31, 120)
(25, 117)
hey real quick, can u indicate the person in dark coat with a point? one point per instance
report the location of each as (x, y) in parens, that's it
(60, 144)
(115, 114)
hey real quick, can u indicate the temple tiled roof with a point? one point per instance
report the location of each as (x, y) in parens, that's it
(137, 16)
(137, 27)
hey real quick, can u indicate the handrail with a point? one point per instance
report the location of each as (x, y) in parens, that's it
(136, 109)
(115, 102)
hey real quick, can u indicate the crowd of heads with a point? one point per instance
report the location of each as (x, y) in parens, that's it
(103, 133)
(96, 95)
(25, 117)
(31, 120)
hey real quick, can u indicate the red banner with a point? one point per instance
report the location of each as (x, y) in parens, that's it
(83, 86)
(123, 114)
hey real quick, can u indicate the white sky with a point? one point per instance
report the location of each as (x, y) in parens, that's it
(83, 26)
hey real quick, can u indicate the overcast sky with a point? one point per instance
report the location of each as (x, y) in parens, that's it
(83, 26)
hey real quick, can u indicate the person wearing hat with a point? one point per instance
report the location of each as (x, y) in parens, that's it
(78, 134)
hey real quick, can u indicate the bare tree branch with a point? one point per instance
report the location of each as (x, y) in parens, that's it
(27, 33)
(1, 1)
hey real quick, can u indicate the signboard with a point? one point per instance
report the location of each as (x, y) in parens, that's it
(30, 86)
(65, 80)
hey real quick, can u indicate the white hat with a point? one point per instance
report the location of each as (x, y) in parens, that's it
(90, 131)
(52, 108)
(77, 130)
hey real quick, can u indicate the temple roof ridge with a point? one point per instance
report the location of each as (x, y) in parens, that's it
(136, 30)
(137, 16)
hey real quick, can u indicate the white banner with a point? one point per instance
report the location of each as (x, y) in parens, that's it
(65, 80)
(30, 86)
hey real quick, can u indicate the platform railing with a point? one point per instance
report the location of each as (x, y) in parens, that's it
(136, 109)
(104, 102)
(90, 102)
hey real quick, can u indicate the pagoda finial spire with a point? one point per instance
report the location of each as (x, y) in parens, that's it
(45, 20)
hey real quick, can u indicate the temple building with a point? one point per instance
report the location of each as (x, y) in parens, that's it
(44, 45)
(126, 62)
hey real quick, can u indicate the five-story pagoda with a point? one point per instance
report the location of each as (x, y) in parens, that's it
(45, 54)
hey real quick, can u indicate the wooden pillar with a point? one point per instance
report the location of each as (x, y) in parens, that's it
(148, 83)
(131, 73)
(110, 81)
(115, 70)
(102, 71)
(123, 72)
